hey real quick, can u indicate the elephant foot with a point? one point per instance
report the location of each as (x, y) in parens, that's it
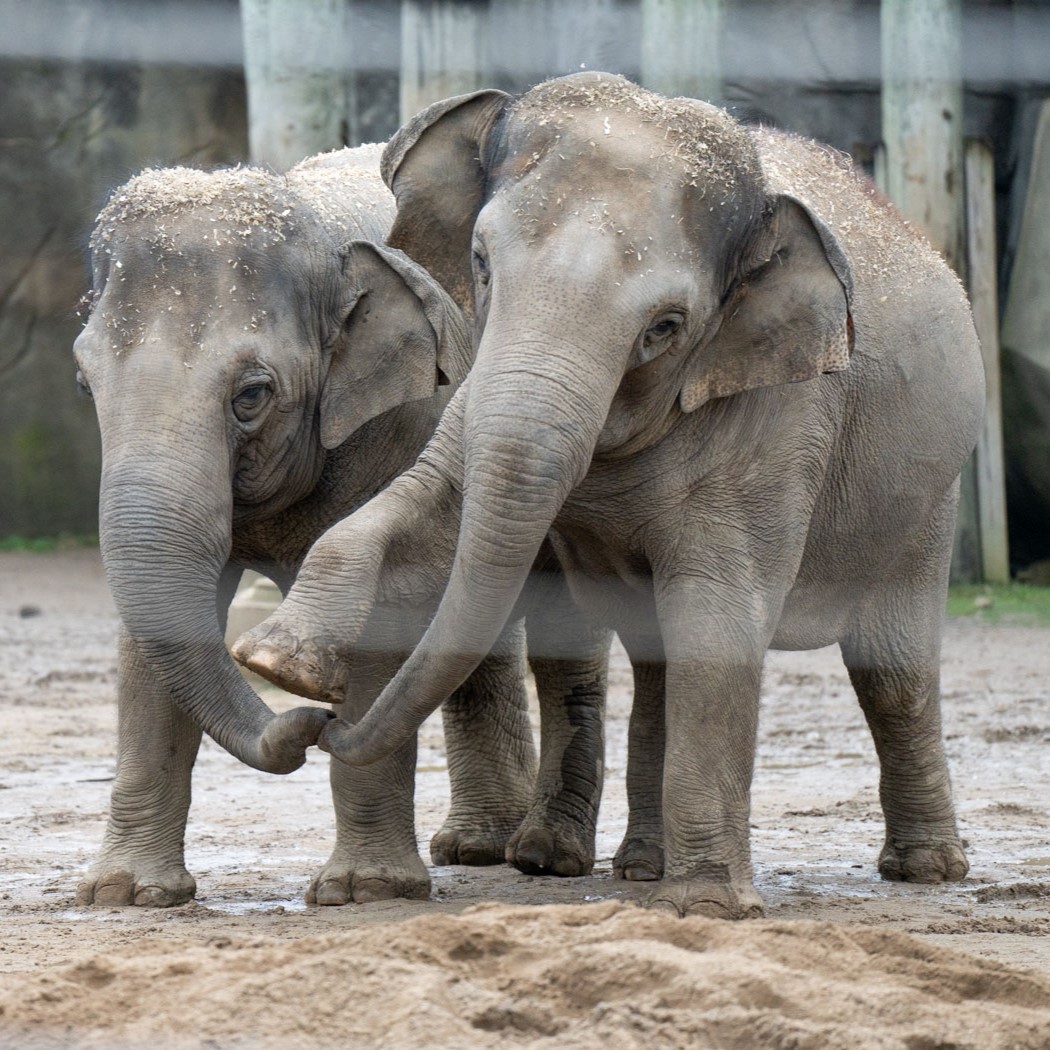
(117, 885)
(361, 880)
(714, 900)
(639, 859)
(475, 843)
(923, 862)
(305, 666)
(549, 847)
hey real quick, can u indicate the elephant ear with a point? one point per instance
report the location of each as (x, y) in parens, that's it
(400, 338)
(435, 167)
(788, 319)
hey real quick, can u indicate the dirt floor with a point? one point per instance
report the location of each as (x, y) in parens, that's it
(842, 959)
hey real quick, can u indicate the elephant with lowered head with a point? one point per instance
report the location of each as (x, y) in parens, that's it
(255, 381)
(737, 390)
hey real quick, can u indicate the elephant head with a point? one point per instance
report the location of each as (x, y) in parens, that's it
(232, 345)
(627, 262)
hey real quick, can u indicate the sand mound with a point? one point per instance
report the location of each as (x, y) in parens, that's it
(586, 976)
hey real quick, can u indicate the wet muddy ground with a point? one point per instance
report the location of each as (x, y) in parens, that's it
(254, 839)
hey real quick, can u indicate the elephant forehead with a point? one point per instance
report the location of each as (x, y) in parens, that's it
(630, 171)
(189, 242)
(193, 301)
(240, 202)
(618, 221)
(199, 245)
(548, 179)
(587, 254)
(625, 124)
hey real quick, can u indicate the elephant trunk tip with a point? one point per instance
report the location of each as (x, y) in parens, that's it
(283, 743)
(356, 745)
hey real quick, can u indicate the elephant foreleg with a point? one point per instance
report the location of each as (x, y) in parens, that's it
(142, 860)
(375, 856)
(714, 655)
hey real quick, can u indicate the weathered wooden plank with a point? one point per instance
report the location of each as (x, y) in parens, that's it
(982, 279)
(682, 47)
(1025, 344)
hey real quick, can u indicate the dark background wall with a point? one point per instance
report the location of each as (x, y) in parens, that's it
(86, 100)
(93, 90)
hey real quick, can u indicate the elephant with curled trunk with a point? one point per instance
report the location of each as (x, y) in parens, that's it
(737, 390)
(255, 380)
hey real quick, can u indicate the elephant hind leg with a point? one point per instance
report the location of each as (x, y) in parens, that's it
(491, 758)
(892, 653)
(557, 835)
(569, 657)
(902, 707)
(640, 857)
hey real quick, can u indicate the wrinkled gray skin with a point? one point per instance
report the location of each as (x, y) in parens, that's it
(740, 391)
(254, 382)
(392, 559)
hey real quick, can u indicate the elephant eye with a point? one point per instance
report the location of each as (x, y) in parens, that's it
(82, 385)
(481, 268)
(250, 400)
(656, 339)
(662, 330)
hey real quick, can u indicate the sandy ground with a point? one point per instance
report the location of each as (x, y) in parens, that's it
(843, 958)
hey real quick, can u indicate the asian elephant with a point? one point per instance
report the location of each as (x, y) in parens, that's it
(255, 381)
(737, 389)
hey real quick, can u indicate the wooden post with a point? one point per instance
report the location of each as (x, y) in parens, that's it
(982, 270)
(922, 117)
(296, 71)
(682, 47)
(1026, 346)
(923, 165)
(443, 50)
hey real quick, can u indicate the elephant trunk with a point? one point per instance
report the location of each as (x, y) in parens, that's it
(530, 426)
(164, 556)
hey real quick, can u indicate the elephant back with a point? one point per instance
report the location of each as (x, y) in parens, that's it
(346, 192)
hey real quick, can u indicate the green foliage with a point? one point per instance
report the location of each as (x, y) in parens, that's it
(37, 544)
(1019, 603)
